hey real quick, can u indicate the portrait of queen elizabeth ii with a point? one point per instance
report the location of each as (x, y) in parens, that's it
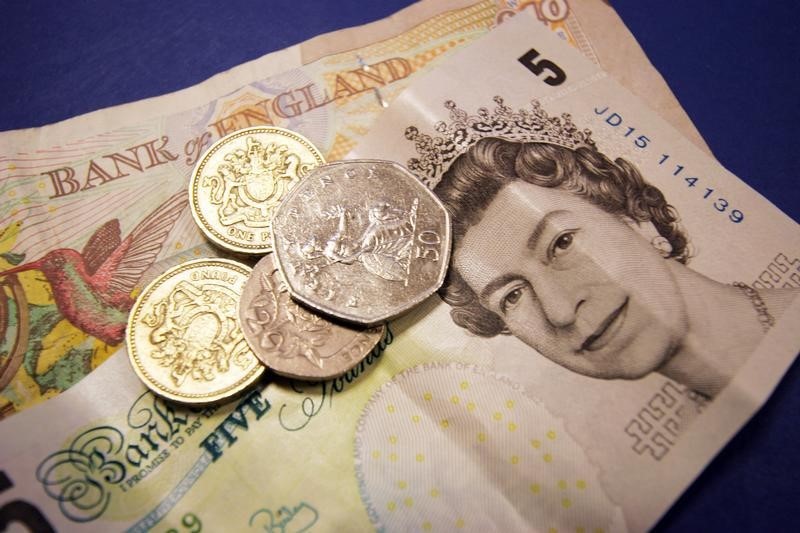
(548, 247)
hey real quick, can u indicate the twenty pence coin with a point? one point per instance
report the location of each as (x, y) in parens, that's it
(241, 178)
(184, 339)
(293, 341)
(362, 240)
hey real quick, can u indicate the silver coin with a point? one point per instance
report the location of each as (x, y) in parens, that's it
(292, 341)
(361, 240)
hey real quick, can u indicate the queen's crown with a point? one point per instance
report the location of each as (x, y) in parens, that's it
(535, 125)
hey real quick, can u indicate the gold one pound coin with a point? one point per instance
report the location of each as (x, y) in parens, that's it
(184, 338)
(242, 178)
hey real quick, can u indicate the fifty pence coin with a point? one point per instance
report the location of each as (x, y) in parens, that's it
(362, 240)
(241, 178)
(183, 336)
(295, 342)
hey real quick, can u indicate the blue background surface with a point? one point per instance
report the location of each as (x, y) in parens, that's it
(734, 66)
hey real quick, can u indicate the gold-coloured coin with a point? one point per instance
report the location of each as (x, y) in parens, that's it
(184, 338)
(242, 178)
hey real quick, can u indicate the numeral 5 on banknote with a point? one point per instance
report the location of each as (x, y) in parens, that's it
(550, 73)
(19, 511)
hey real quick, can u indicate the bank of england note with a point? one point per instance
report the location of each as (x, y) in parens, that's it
(445, 425)
(631, 285)
(81, 194)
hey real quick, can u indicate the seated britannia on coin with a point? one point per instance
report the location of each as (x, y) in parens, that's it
(548, 246)
(384, 247)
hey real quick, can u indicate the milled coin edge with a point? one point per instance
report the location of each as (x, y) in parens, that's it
(198, 217)
(142, 374)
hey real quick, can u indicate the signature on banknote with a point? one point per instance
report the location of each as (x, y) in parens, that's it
(285, 520)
